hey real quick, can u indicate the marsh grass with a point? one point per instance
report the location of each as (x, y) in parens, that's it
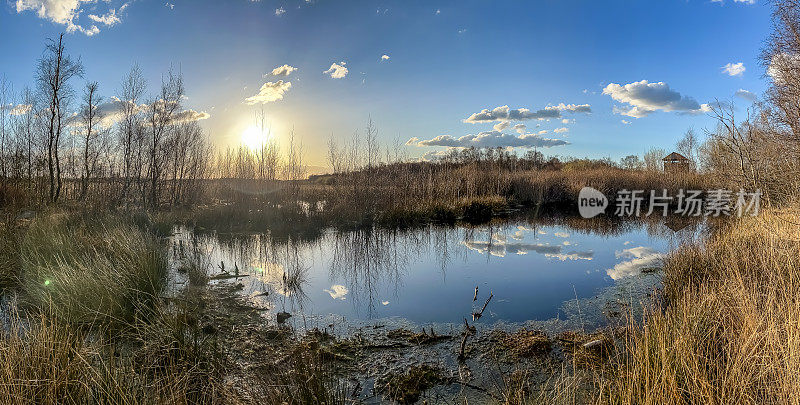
(408, 195)
(9, 257)
(89, 269)
(41, 362)
(91, 327)
(165, 361)
(303, 378)
(730, 331)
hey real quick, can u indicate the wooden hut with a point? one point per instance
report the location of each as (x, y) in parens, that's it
(675, 163)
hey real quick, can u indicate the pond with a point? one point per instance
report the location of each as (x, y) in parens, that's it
(535, 270)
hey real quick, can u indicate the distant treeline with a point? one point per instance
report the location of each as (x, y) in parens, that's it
(61, 140)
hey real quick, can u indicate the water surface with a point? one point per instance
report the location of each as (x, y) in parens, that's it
(428, 275)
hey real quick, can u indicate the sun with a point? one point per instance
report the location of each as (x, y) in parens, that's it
(254, 138)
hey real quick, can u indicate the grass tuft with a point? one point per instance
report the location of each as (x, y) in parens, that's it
(90, 270)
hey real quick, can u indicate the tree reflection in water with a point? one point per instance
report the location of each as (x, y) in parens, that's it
(366, 268)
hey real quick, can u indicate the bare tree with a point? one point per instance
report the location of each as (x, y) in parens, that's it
(373, 149)
(133, 88)
(334, 155)
(631, 162)
(688, 146)
(781, 58)
(733, 148)
(161, 113)
(24, 129)
(653, 159)
(53, 75)
(90, 117)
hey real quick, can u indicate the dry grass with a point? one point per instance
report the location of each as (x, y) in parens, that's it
(94, 330)
(89, 269)
(731, 330)
(43, 361)
(408, 194)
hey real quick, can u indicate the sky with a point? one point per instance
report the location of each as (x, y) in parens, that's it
(581, 78)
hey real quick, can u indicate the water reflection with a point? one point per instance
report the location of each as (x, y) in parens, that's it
(636, 260)
(428, 274)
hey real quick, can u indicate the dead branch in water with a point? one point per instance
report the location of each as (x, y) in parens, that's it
(470, 330)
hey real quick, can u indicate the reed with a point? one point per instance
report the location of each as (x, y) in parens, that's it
(89, 269)
(731, 330)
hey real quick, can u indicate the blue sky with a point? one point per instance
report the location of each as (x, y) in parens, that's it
(447, 61)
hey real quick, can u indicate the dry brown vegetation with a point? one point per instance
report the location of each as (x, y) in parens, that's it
(726, 329)
(729, 333)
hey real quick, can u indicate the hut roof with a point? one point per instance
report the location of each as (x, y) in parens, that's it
(675, 156)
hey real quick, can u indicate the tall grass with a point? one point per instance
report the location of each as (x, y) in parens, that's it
(91, 328)
(402, 195)
(89, 269)
(44, 361)
(731, 330)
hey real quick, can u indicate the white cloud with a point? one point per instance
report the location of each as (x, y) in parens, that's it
(110, 112)
(337, 70)
(734, 69)
(492, 139)
(284, 70)
(385, 57)
(625, 122)
(561, 130)
(645, 98)
(89, 32)
(748, 2)
(747, 95)
(500, 249)
(58, 11)
(520, 128)
(190, 115)
(169, 5)
(412, 142)
(269, 92)
(337, 292)
(110, 19)
(639, 258)
(279, 11)
(66, 12)
(504, 113)
(21, 109)
(588, 255)
(782, 67)
(438, 11)
(433, 155)
(502, 125)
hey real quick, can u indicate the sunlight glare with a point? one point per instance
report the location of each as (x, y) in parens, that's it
(254, 138)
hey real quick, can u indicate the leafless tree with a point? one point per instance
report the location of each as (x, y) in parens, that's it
(160, 116)
(781, 58)
(631, 162)
(90, 118)
(24, 129)
(133, 88)
(653, 159)
(334, 155)
(688, 146)
(54, 72)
